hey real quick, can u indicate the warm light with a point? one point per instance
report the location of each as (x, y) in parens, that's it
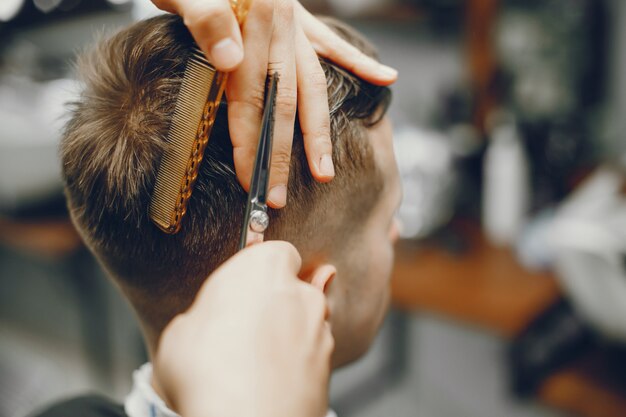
(9, 9)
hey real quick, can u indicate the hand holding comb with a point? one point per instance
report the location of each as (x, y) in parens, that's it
(194, 114)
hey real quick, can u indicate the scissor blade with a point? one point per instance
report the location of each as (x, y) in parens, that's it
(257, 197)
(260, 175)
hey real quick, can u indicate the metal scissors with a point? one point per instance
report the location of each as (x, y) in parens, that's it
(256, 218)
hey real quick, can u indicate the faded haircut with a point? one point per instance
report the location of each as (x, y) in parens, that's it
(114, 140)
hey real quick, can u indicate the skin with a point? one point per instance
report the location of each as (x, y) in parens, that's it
(280, 35)
(241, 325)
(358, 297)
(256, 307)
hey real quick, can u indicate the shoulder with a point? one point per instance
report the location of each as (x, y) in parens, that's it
(84, 406)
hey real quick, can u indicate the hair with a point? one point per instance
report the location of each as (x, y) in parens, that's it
(114, 140)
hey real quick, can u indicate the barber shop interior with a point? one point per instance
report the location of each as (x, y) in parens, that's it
(502, 292)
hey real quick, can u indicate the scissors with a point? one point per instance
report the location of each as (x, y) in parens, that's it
(256, 218)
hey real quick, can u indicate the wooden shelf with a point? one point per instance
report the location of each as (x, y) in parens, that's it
(49, 238)
(485, 287)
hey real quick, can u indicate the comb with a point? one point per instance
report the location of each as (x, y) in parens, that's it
(196, 106)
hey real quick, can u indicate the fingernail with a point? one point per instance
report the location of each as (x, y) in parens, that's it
(388, 71)
(278, 195)
(327, 169)
(226, 54)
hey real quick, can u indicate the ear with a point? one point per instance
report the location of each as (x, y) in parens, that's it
(321, 276)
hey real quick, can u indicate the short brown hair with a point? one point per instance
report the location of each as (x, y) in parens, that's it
(111, 149)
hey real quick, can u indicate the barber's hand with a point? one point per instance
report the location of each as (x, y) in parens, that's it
(255, 342)
(283, 35)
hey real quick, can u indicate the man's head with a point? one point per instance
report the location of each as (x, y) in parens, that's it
(112, 147)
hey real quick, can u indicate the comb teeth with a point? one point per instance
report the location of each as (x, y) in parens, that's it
(194, 114)
(198, 56)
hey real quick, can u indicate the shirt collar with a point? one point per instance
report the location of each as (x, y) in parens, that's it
(143, 401)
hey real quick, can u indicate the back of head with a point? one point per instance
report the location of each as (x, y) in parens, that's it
(114, 141)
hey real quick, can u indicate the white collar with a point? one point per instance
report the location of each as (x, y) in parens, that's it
(143, 401)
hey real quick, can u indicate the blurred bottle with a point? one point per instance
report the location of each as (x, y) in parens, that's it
(552, 73)
(9, 9)
(426, 164)
(506, 185)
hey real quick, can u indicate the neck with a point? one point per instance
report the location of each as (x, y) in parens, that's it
(151, 339)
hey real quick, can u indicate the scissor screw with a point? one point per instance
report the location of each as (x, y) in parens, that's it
(259, 220)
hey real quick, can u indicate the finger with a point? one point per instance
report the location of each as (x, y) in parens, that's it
(332, 46)
(315, 302)
(214, 27)
(273, 260)
(245, 89)
(322, 276)
(282, 61)
(165, 5)
(313, 110)
(284, 256)
(253, 237)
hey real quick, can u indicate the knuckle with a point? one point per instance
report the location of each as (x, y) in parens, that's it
(279, 256)
(285, 249)
(213, 11)
(289, 250)
(254, 97)
(264, 10)
(320, 135)
(317, 80)
(280, 163)
(286, 101)
(317, 90)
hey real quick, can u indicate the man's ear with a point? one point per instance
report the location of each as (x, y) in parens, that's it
(321, 276)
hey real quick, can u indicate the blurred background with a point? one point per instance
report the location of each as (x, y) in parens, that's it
(509, 292)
